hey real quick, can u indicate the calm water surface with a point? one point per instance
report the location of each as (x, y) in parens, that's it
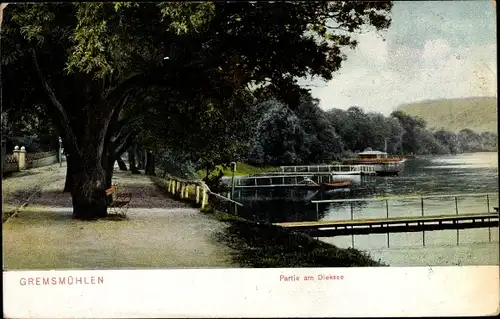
(445, 175)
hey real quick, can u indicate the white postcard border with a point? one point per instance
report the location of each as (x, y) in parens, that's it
(380, 291)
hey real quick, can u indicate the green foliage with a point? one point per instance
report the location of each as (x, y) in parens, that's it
(279, 137)
(323, 141)
(187, 16)
(92, 41)
(101, 33)
(413, 131)
(268, 246)
(93, 67)
(449, 140)
(418, 139)
(242, 169)
(209, 132)
(120, 5)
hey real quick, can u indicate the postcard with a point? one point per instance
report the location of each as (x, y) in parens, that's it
(249, 159)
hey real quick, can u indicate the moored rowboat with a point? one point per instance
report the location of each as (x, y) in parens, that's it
(337, 184)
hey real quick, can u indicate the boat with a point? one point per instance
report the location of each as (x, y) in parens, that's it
(370, 157)
(378, 163)
(337, 184)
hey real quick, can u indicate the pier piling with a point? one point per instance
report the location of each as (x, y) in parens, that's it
(387, 216)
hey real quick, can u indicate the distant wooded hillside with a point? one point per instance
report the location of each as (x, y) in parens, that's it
(478, 114)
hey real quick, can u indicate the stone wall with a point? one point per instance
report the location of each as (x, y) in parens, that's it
(20, 160)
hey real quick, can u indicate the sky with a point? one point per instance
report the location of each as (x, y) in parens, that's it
(432, 50)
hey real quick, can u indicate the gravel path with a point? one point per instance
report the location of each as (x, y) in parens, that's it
(160, 232)
(17, 188)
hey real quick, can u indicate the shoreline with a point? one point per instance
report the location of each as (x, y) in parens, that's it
(259, 245)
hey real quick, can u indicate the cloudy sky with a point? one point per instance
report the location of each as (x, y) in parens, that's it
(432, 50)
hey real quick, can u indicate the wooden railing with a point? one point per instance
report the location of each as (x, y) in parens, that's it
(420, 199)
(386, 198)
(198, 192)
(412, 215)
(327, 168)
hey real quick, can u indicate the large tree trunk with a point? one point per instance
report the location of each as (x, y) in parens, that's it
(92, 162)
(121, 164)
(89, 199)
(150, 164)
(109, 169)
(140, 158)
(70, 171)
(85, 128)
(131, 161)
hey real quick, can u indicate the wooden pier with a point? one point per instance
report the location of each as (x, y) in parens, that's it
(393, 225)
(284, 180)
(343, 173)
(333, 168)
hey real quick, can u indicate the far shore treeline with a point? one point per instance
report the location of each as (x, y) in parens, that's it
(294, 130)
(303, 133)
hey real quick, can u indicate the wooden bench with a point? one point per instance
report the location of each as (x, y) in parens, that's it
(118, 202)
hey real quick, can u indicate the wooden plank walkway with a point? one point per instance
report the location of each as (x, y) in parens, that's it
(393, 224)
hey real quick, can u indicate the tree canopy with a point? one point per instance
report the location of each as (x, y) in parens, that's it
(88, 63)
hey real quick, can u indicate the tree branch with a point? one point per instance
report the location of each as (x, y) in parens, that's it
(117, 91)
(125, 124)
(121, 139)
(126, 143)
(65, 124)
(114, 117)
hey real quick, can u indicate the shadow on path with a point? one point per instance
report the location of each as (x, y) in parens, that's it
(144, 193)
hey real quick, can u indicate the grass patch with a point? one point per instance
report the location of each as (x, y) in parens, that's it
(259, 245)
(222, 216)
(242, 169)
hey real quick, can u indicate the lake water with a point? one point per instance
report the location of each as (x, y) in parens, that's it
(425, 176)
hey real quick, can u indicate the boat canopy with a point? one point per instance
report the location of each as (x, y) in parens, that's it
(372, 154)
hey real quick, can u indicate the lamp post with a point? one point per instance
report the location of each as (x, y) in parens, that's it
(60, 152)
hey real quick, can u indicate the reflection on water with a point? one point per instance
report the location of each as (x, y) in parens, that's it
(470, 160)
(447, 175)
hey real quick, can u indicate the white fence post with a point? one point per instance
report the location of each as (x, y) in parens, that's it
(204, 198)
